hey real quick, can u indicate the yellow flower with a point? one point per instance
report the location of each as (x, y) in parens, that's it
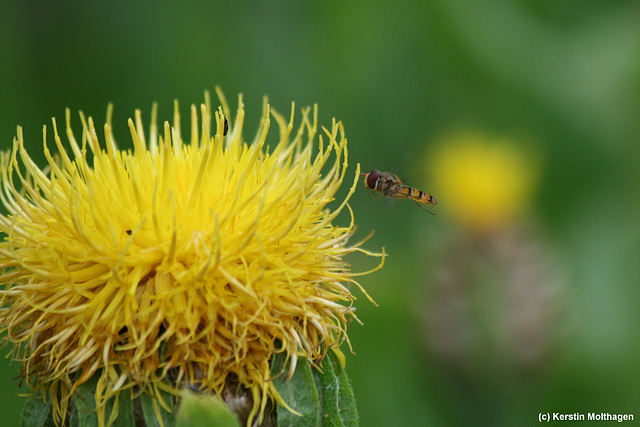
(483, 181)
(191, 262)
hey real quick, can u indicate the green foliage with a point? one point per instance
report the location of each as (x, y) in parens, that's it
(299, 392)
(85, 406)
(36, 413)
(148, 403)
(321, 398)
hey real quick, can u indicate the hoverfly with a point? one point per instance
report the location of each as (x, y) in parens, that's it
(392, 186)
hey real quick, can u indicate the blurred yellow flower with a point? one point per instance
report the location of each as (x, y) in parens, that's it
(483, 181)
(190, 262)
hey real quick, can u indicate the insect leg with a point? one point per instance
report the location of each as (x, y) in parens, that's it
(422, 207)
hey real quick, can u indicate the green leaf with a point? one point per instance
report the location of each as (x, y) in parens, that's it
(147, 403)
(327, 383)
(336, 394)
(299, 392)
(323, 398)
(73, 419)
(347, 401)
(36, 413)
(203, 410)
(125, 409)
(85, 405)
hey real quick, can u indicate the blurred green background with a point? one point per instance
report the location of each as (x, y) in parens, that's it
(561, 77)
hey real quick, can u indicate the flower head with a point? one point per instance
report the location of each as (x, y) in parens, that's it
(190, 261)
(486, 181)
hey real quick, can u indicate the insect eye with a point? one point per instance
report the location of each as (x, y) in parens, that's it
(373, 178)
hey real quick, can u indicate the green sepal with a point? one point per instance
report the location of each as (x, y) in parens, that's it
(203, 410)
(36, 413)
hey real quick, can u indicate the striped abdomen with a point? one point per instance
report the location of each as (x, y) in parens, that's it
(416, 195)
